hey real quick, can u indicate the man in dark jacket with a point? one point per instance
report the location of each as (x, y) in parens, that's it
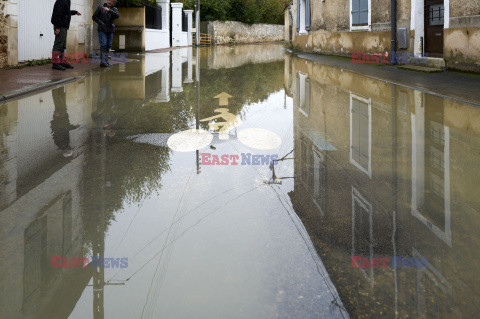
(61, 17)
(104, 16)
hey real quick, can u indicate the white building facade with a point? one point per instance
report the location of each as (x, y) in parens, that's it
(26, 32)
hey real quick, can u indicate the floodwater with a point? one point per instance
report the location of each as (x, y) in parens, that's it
(126, 165)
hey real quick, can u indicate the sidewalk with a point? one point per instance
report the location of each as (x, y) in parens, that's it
(453, 85)
(18, 82)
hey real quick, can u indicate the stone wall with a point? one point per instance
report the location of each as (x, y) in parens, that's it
(462, 38)
(230, 32)
(233, 56)
(330, 28)
(3, 35)
(462, 8)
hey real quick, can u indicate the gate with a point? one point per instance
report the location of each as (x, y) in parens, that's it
(35, 32)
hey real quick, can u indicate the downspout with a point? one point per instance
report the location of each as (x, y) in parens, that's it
(393, 18)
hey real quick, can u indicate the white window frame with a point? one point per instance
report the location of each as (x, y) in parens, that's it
(305, 110)
(318, 161)
(367, 101)
(357, 197)
(303, 17)
(446, 234)
(441, 283)
(363, 27)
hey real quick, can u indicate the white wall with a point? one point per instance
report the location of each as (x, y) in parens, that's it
(177, 38)
(184, 41)
(156, 39)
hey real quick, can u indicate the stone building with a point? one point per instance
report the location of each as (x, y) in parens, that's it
(447, 31)
(4, 27)
(383, 170)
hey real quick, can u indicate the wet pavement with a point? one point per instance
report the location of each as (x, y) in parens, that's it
(238, 182)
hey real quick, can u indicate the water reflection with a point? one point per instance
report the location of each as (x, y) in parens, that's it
(385, 171)
(365, 168)
(67, 174)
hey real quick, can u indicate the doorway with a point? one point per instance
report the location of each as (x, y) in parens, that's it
(434, 23)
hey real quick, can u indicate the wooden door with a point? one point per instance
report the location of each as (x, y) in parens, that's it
(434, 20)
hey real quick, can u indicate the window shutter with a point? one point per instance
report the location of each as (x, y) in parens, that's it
(307, 15)
(355, 12)
(298, 15)
(363, 11)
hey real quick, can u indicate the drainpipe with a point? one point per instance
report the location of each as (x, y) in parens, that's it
(393, 19)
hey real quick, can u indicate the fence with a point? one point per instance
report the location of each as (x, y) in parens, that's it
(205, 39)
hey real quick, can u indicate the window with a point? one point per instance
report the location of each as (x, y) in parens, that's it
(431, 175)
(361, 133)
(319, 187)
(434, 292)
(184, 22)
(313, 172)
(436, 14)
(303, 93)
(35, 248)
(360, 18)
(362, 231)
(304, 162)
(153, 17)
(303, 16)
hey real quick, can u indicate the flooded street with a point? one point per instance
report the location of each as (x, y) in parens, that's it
(238, 182)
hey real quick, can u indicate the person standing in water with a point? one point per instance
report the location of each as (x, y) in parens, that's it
(61, 17)
(104, 17)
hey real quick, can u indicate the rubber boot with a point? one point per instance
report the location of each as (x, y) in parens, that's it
(104, 59)
(65, 64)
(56, 59)
(109, 56)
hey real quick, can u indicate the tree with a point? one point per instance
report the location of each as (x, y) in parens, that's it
(136, 3)
(248, 11)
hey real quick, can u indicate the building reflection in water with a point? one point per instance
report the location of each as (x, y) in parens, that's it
(41, 200)
(64, 174)
(382, 171)
(54, 186)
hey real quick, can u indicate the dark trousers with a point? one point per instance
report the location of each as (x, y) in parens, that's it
(60, 43)
(59, 46)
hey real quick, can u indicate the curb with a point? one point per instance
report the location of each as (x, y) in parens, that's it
(7, 96)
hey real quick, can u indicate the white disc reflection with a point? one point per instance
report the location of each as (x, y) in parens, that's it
(189, 140)
(259, 138)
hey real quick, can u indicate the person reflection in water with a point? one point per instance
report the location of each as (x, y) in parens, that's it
(60, 123)
(104, 116)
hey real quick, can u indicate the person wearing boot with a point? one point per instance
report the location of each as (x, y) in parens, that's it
(61, 17)
(104, 16)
